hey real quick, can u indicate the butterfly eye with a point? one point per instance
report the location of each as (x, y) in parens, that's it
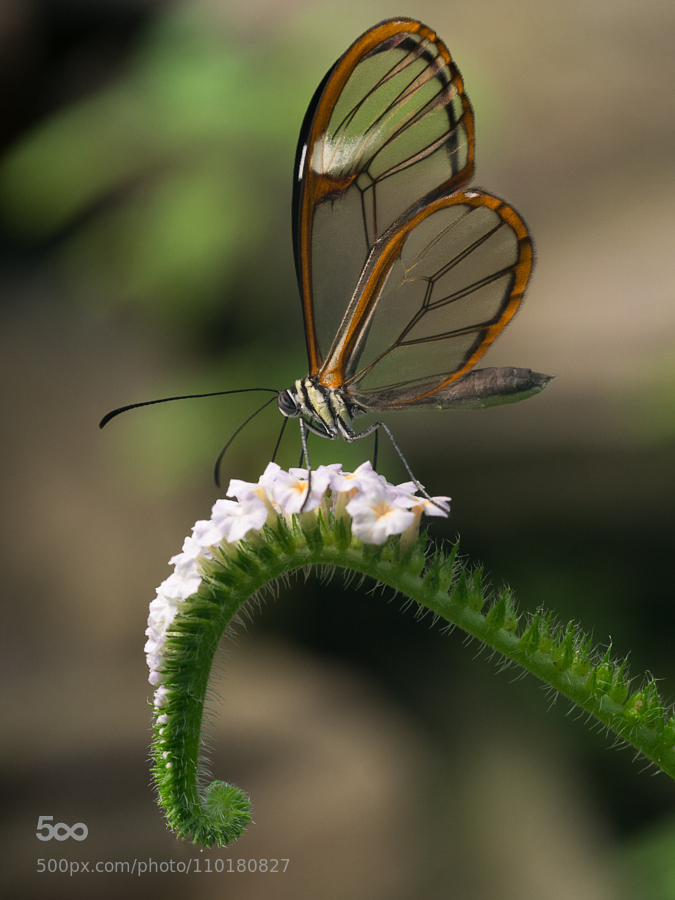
(287, 404)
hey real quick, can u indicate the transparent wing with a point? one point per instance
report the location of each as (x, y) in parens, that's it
(437, 291)
(389, 124)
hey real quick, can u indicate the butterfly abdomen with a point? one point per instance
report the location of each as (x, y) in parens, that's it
(482, 388)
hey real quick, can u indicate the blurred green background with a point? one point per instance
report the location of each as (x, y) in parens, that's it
(145, 250)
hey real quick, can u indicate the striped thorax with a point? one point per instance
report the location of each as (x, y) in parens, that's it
(326, 410)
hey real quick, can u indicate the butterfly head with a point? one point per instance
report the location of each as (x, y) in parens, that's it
(288, 404)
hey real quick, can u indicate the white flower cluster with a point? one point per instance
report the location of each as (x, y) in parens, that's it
(377, 509)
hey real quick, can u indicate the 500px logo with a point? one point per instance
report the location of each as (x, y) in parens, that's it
(60, 831)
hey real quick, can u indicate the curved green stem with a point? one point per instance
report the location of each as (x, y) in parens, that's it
(561, 657)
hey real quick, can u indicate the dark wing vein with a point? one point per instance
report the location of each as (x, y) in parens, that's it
(399, 66)
(389, 128)
(407, 92)
(458, 295)
(422, 153)
(456, 332)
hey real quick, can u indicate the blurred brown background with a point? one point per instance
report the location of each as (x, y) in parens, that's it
(145, 186)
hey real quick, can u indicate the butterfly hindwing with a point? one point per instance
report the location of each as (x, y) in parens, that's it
(437, 291)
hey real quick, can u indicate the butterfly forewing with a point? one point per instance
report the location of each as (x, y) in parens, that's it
(389, 125)
(435, 295)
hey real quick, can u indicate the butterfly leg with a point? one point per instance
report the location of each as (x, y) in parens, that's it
(305, 455)
(374, 429)
(375, 449)
(305, 428)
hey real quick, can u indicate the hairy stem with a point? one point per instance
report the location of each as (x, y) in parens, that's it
(561, 657)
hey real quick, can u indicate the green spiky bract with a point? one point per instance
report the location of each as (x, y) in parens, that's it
(561, 656)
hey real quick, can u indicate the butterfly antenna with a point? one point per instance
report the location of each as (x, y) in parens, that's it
(115, 412)
(216, 470)
(281, 434)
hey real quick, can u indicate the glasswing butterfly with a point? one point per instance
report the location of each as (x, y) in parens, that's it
(406, 278)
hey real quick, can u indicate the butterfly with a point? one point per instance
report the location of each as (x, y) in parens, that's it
(405, 277)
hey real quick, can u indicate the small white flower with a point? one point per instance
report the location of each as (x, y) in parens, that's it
(436, 506)
(161, 697)
(360, 480)
(289, 489)
(235, 519)
(404, 493)
(179, 585)
(206, 534)
(163, 606)
(155, 639)
(332, 470)
(191, 550)
(187, 567)
(268, 477)
(376, 514)
(377, 509)
(407, 487)
(242, 490)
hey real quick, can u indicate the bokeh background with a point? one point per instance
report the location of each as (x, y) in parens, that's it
(145, 251)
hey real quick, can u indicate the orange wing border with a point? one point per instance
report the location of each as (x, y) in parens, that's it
(316, 188)
(388, 249)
